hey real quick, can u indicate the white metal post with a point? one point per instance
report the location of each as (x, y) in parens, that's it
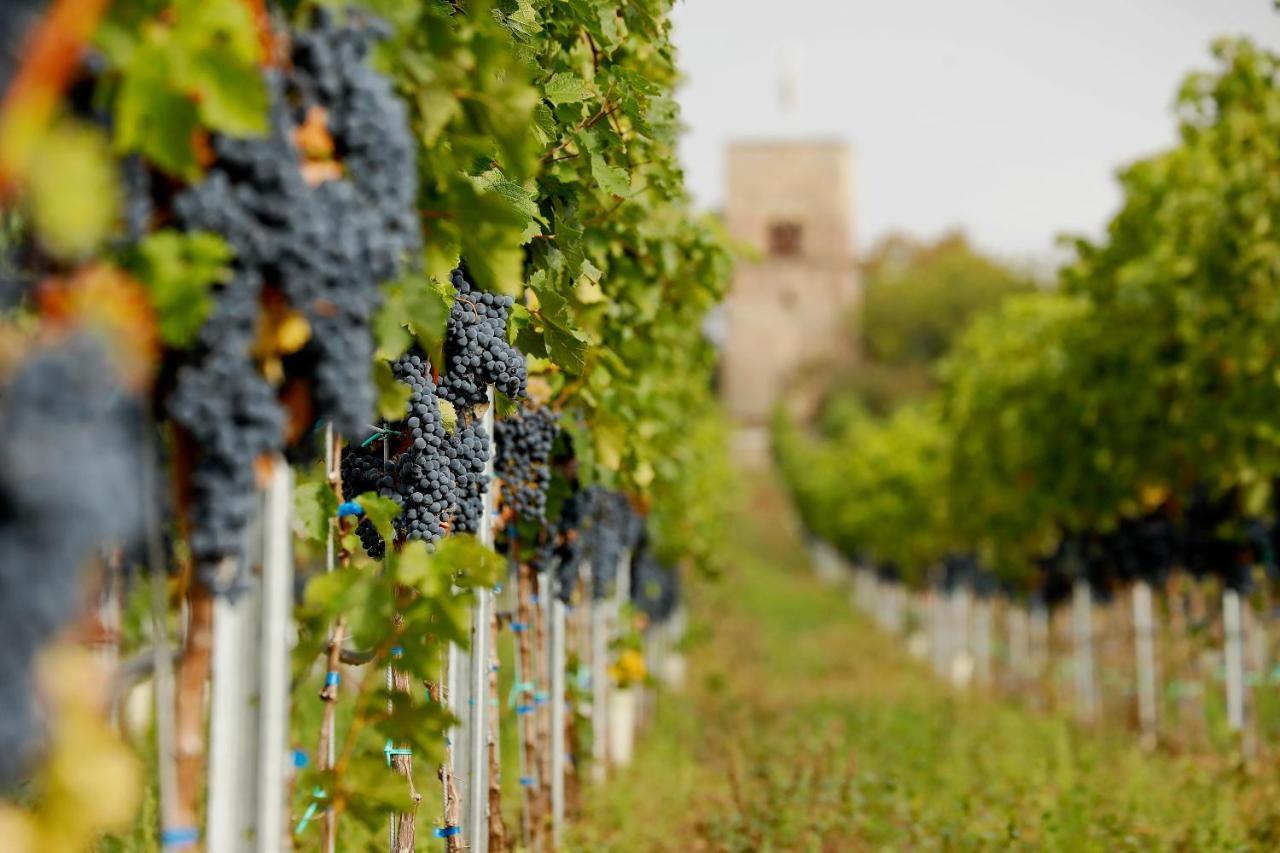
(622, 705)
(1082, 613)
(477, 785)
(232, 725)
(249, 701)
(273, 654)
(1019, 642)
(1038, 623)
(599, 686)
(1234, 658)
(1145, 658)
(982, 641)
(477, 801)
(960, 660)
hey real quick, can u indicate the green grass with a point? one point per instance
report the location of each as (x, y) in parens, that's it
(804, 728)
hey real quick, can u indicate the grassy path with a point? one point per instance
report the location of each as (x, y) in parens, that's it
(802, 728)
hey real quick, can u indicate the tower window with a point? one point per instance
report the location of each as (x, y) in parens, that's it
(785, 238)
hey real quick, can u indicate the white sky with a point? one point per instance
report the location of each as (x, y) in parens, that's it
(1004, 117)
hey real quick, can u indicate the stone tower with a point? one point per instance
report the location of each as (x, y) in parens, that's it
(792, 201)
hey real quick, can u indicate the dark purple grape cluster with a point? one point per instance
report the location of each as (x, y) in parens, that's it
(71, 449)
(231, 414)
(424, 476)
(437, 477)
(368, 123)
(523, 445)
(610, 529)
(356, 232)
(569, 544)
(655, 588)
(476, 351)
(365, 470)
(327, 247)
(468, 454)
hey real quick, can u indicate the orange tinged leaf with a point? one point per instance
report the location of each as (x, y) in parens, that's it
(49, 63)
(312, 136)
(104, 298)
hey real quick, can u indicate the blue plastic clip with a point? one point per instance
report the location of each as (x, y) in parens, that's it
(317, 794)
(300, 758)
(518, 626)
(378, 432)
(349, 508)
(446, 832)
(179, 835)
(524, 709)
(397, 651)
(528, 781)
(391, 751)
(332, 679)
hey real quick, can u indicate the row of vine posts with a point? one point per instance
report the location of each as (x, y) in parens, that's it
(245, 644)
(1168, 663)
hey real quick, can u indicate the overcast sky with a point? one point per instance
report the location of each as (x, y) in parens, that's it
(1007, 118)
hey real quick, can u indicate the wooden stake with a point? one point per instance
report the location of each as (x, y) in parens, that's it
(193, 676)
(557, 745)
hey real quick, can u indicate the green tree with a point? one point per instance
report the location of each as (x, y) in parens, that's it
(920, 295)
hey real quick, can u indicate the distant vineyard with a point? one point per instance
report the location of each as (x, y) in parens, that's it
(1116, 435)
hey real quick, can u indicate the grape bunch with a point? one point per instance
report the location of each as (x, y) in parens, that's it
(325, 244)
(437, 477)
(329, 242)
(364, 470)
(610, 529)
(570, 545)
(476, 352)
(231, 414)
(523, 445)
(70, 453)
(468, 454)
(355, 232)
(655, 588)
(425, 479)
(368, 123)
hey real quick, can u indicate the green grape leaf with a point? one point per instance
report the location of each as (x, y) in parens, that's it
(612, 179)
(73, 189)
(393, 395)
(314, 506)
(565, 88)
(380, 512)
(178, 269)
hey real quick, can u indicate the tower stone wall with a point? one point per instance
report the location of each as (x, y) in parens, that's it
(792, 204)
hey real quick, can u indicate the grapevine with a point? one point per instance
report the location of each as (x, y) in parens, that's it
(275, 205)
